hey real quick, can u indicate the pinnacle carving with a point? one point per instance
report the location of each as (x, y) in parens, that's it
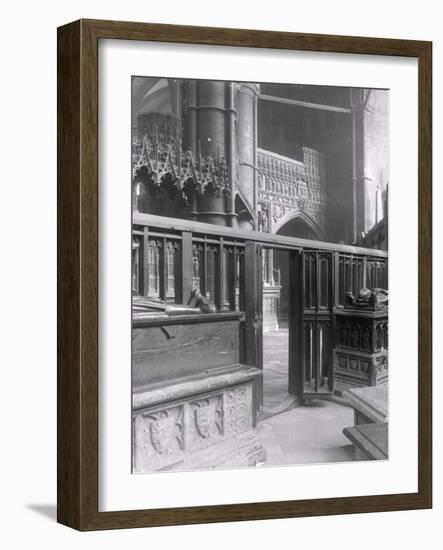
(180, 172)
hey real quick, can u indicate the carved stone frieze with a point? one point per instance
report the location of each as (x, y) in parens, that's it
(207, 417)
(238, 415)
(288, 185)
(165, 437)
(159, 437)
(359, 368)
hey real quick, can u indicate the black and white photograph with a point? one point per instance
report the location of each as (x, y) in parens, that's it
(219, 310)
(259, 274)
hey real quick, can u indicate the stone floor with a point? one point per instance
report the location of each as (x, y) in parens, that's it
(276, 398)
(310, 433)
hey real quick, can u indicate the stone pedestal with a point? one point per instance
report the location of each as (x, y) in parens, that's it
(370, 404)
(271, 307)
(361, 354)
(369, 435)
(247, 139)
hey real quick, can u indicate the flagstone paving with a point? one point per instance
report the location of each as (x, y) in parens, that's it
(309, 433)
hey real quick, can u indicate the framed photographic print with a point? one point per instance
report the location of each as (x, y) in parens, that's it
(244, 275)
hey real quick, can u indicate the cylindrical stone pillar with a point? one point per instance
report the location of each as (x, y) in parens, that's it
(247, 140)
(189, 94)
(211, 136)
(231, 157)
(211, 118)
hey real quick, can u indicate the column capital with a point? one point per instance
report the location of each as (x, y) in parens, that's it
(251, 87)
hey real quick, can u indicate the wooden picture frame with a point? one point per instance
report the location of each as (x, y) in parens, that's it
(77, 461)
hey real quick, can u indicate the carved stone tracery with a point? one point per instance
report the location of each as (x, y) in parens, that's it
(181, 174)
(286, 185)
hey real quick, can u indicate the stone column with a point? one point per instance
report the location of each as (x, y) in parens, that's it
(247, 141)
(354, 230)
(361, 182)
(190, 115)
(211, 118)
(371, 158)
(189, 122)
(207, 138)
(271, 266)
(231, 119)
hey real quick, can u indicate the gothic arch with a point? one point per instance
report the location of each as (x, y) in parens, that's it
(154, 95)
(305, 219)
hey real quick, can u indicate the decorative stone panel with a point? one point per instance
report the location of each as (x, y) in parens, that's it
(197, 431)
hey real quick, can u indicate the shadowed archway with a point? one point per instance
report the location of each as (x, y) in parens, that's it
(300, 225)
(276, 395)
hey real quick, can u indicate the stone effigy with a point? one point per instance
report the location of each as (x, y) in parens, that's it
(377, 298)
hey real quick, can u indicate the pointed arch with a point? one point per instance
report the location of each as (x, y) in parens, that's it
(153, 95)
(305, 219)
